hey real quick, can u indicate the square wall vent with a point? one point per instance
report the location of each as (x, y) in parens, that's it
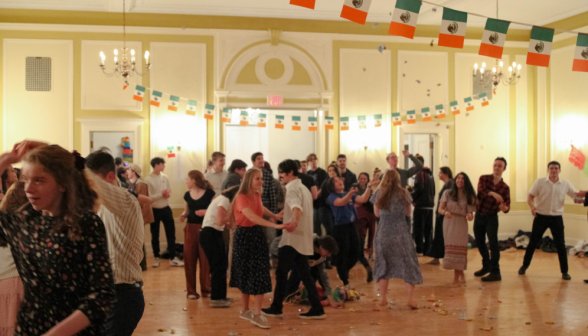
(38, 74)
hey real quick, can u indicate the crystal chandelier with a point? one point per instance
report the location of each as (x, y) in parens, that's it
(126, 65)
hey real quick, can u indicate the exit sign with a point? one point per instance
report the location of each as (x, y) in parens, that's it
(274, 100)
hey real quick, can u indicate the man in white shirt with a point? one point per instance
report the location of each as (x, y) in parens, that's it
(159, 191)
(216, 175)
(546, 199)
(296, 244)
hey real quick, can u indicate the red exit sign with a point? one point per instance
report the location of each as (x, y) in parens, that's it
(275, 100)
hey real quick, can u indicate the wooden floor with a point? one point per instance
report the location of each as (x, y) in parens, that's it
(539, 303)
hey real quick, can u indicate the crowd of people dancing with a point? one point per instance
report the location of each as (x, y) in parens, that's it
(72, 232)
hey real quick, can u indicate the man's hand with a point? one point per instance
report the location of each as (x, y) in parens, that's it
(290, 227)
(165, 194)
(578, 200)
(534, 211)
(503, 207)
(470, 216)
(279, 216)
(200, 213)
(405, 153)
(498, 198)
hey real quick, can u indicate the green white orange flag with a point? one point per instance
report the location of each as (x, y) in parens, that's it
(356, 10)
(139, 93)
(312, 124)
(362, 122)
(261, 117)
(493, 38)
(469, 104)
(329, 121)
(581, 54)
(296, 123)
(303, 3)
(396, 119)
(191, 108)
(426, 114)
(208, 111)
(244, 118)
(377, 120)
(226, 114)
(174, 101)
(280, 121)
(411, 117)
(484, 99)
(540, 46)
(345, 123)
(454, 107)
(453, 28)
(155, 98)
(440, 111)
(404, 18)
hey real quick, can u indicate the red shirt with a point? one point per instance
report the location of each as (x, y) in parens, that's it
(242, 202)
(487, 205)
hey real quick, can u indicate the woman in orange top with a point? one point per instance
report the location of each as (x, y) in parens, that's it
(250, 266)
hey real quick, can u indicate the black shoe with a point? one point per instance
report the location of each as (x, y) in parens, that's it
(566, 276)
(586, 281)
(485, 270)
(271, 312)
(314, 315)
(522, 270)
(492, 277)
(370, 274)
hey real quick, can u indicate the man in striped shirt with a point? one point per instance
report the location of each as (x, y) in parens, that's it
(121, 214)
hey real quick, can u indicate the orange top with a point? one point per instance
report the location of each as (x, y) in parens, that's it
(243, 202)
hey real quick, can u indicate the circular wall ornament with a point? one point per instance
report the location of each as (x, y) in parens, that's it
(273, 62)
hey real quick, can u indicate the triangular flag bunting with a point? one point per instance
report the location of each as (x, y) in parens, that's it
(191, 108)
(356, 10)
(226, 115)
(469, 104)
(155, 98)
(125, 85)
(377, 120)
(329, 121)
(396, 119)
(312, 124)
(303, 3)
(174, 101)
(280, 121)
(362, 122)
(404, 18)
(411, 117)
(296, 123)
(139, 93)
(244, 118)
(493, 38)
(261, 117)
(440, 111)
(484, 99)
(540, 46)
(426, 114)
(581, 54)
(454, 107)
(208, 111)
(345, 123)
(453, 28)
(577, 158)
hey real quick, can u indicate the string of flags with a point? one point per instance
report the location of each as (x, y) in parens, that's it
(174, 103)
(453, 29)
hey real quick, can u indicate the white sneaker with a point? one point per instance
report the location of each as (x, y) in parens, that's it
(260, 321)
(192, 297)
(156, 263)
(176, 262)
(248, 315)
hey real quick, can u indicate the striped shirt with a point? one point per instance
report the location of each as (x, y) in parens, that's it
(121, 214)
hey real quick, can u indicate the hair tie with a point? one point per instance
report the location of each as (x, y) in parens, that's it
(80, 162)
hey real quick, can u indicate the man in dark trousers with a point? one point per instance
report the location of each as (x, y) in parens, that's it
(423, 197)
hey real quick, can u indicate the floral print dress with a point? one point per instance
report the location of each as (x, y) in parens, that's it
(59, 275)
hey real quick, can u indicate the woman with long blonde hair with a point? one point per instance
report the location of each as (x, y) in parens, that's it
(396, 256)
(250, 266)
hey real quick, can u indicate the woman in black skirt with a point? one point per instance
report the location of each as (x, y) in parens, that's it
(250, 266)
(437, 250)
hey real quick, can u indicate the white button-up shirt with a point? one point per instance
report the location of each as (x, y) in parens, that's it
(550, 197)
(298, 196)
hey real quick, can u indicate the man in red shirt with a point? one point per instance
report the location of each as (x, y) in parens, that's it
(493, 197)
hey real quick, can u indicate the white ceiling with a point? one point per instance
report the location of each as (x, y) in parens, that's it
(536, 12)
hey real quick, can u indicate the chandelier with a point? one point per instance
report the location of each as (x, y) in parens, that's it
(126, 65)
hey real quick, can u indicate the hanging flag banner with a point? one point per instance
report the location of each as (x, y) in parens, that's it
(244, 118)
(226, 115)
(453, 28)
(171, 152)
(296, 126)
(377, 120)
(362, 122)
(261, 117)
(356, 10)
(280, 121)
(440, 111)
(577, 158)
(173, 103)
(454, 107)
(581, 54)
(469, 104)
(396, 118)
(125, 85)
(484, 99)
(191, 108)
(345, 123)
(404, 18)
(208, 111)
(329, 121)
(139, 93)
(155, 98)
(303, 3)
(312, 124)
(540, 46)
(426, 114)
(411, 117)
(493, 38)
